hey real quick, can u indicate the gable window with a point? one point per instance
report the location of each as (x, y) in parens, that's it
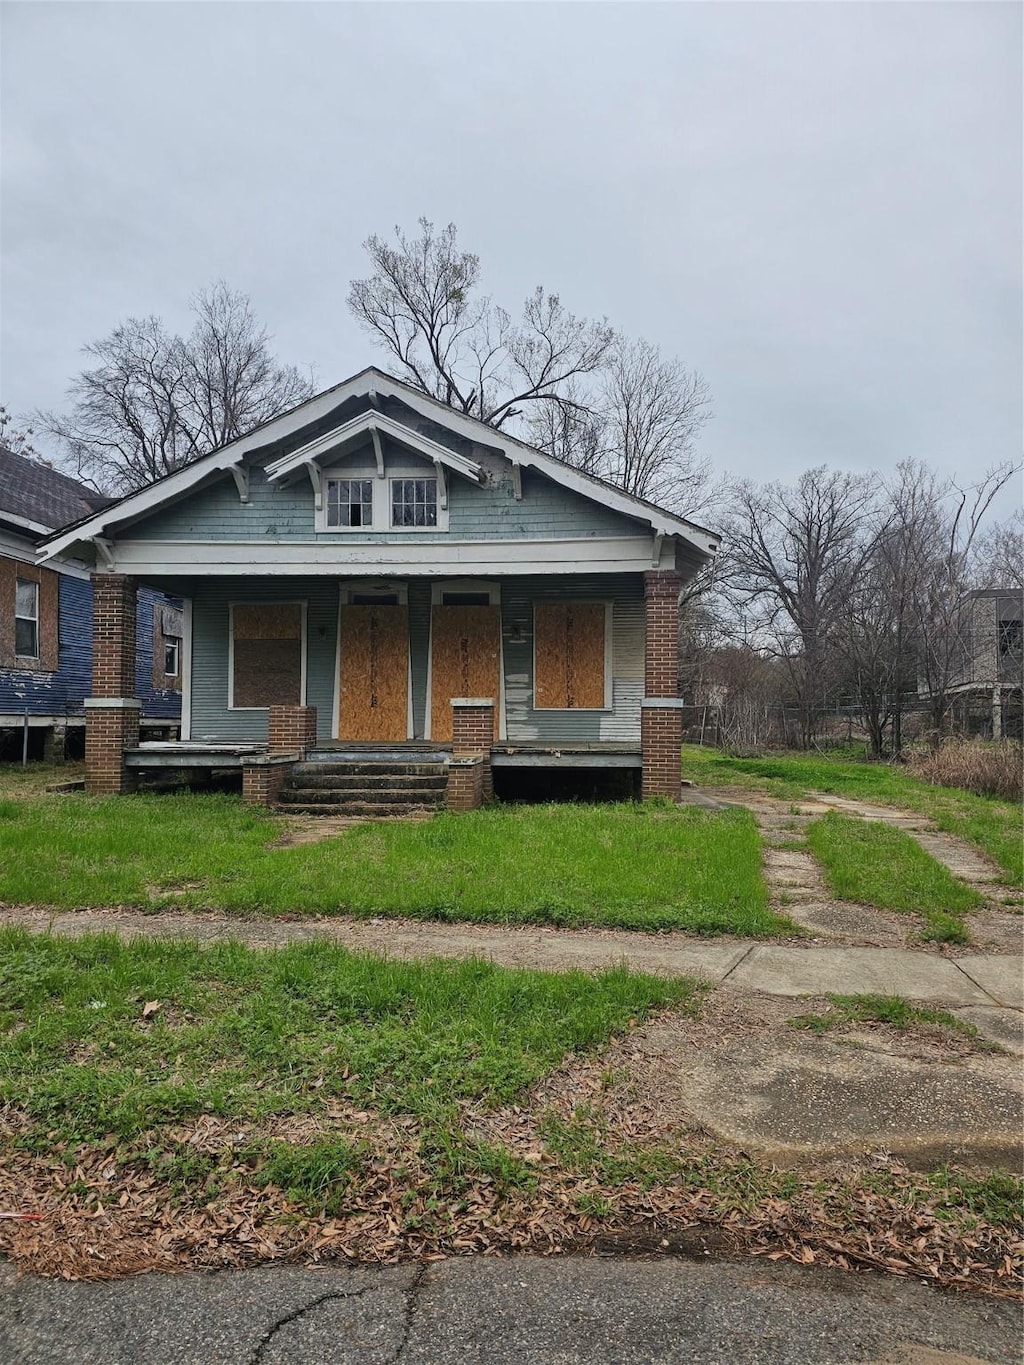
(26, 619)
(414, 502)
(349, 502)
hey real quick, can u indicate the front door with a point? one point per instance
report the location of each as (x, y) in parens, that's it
(373, 681)
(465, 660)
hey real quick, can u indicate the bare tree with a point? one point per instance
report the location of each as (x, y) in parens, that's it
(943, 540)
(16, 438)
(794, 553)
(653, 411)
(610, 406)
(420, 303)
(153, 401)
(1000, 555)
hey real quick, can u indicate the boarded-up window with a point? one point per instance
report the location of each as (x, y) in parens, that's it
(29, 612)
(168, 631)
(569, 655)
(267, 654)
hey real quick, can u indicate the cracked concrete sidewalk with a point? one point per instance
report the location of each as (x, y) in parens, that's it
(556, 1310)
(990, 980)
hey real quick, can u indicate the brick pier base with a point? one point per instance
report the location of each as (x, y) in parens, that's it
(661, 738)
(111, 726)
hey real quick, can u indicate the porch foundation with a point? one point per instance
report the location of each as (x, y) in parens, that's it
(263, 777)
(112, 712)
(661, 717)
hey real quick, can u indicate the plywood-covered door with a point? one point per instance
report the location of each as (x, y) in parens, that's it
(465, 660)
(373, 681)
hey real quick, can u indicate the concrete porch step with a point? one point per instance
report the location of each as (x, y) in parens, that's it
(321, 796)
(370, 767)
(406, 782)
(365, 809)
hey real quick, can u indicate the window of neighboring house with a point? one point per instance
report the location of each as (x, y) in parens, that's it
(267, 654)
(349, 502)
(26, 619)
(413, 502)
(172, 655)
(1011, 638)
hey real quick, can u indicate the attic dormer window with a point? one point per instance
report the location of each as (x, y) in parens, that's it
(349, 502)
(413, 502)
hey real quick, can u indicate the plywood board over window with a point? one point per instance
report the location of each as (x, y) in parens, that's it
(46, 659)
(266, 654)
(570, 656)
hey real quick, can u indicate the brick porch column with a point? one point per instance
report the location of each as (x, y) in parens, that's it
(661, 716)
(291, 729)
(472, 737)
(112, 712)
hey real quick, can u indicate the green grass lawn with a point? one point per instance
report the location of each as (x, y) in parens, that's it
(995, 827)
(875, 864)
(247, 1035)
(630, 866)
(226, 1105)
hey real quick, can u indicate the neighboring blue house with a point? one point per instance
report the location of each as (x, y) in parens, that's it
(46, 621)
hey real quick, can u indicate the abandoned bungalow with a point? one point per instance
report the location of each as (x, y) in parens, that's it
(407, 600)
(46, 622)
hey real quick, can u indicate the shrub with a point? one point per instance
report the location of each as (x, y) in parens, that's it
(994, 769)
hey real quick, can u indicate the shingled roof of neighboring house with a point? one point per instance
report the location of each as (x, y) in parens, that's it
(44, 498)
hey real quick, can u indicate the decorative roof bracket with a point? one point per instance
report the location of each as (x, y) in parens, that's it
(240, 474)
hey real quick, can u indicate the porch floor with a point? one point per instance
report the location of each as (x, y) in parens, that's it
(507, 754)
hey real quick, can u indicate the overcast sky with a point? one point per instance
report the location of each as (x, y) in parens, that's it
(817, 205)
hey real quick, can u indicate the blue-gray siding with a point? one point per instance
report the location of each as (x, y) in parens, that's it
(476, 512)
(213, 720)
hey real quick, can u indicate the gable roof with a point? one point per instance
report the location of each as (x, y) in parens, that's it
(374, 384)
(39, 498)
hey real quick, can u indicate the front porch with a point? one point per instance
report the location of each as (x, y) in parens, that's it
(557, 673)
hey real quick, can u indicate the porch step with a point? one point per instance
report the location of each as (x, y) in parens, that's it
(369, 768)
(305, 779)
(383, 796)
(367, 782)
(364, 809)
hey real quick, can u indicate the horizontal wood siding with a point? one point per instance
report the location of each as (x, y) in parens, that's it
(211, 718)
(476, 512)
(622, 722)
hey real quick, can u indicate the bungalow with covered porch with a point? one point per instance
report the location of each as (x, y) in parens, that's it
(385, 602)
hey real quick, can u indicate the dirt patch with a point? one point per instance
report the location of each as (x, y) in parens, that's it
(740, 1074)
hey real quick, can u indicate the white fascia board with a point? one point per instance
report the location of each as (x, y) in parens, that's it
(462, 559)
(387, 426)
(182, 480)
(23, 523)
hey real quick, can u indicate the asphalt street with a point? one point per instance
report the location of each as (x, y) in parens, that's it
(617, 1311)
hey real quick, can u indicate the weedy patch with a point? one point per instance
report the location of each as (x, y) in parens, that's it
(895, 1012)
